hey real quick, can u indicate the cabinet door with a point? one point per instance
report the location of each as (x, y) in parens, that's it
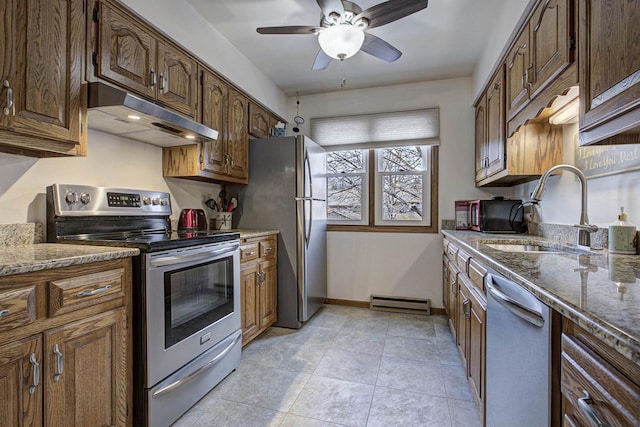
(551, 31)
(609, 63)
(127, 52)
(518, 67)
(477, 333)
(42, 68)
(20, 383)
(238, 135)
(215, 95)
(463, 314)
(496, 139)
(481, 138)
(267, 291)
(445, 284)
(177, 80)
(453, 301)
(86, 372)
(249, 301)
(259, 121)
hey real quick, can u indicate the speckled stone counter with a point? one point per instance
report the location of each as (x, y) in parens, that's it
(598, 291)
(27, 258)
(246, 233)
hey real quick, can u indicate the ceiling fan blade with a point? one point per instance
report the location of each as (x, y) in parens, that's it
(294, 29)
(379, 48)
(390, 11)
(322, 61)
(329, 6)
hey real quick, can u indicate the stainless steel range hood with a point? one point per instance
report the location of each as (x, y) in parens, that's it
(113, 110)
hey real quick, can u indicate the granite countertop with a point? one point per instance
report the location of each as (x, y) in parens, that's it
(598, 291)
(16, 259)
(247, 233)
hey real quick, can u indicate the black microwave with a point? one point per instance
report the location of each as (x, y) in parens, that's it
(497, 216)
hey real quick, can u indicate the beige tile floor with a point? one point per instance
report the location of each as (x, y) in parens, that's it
(346, 367)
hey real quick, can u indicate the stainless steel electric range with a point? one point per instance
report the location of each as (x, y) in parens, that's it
(186, 292)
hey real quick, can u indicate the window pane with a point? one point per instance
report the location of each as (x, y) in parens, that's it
(344, 198)
(344, 161)
(401, 159)
(402, 198)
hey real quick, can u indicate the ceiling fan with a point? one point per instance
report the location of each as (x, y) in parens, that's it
(342, 30)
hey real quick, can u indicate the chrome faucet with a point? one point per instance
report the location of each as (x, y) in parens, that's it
(584, 228)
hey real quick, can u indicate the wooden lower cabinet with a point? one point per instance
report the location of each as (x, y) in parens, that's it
(599, 386)
(69, 369)
(466, 308)
(259, 285)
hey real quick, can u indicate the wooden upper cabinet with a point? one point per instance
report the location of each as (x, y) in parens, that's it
(609, 52)
(260, 121)
(177, 80)
(127, 52)
(41, 67)
(215, 97)
(552, 39)
(238, 135)
(496, 124)
(518, 66)
(481, 137)
(140, 60)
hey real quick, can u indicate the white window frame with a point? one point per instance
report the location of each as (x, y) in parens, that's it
(426, 188)
(364, 200)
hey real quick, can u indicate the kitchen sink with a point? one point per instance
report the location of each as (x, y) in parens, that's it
(521, 247)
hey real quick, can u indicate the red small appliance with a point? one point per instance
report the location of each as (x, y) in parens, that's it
(192, 220)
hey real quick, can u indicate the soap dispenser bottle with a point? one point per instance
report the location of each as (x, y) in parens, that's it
(621, 235)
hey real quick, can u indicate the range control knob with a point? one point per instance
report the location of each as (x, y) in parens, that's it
(164, 201)
(71, 197)
(155, 201)
(85, 198)
(146, 200)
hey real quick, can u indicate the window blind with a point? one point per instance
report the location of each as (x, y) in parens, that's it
(366, 131)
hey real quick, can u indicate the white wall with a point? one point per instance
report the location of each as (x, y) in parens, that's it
(561, 199)
(112, 162)
(401, 264)
(506, 19)
(180, 21)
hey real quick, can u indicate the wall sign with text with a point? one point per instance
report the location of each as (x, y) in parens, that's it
(603, 160)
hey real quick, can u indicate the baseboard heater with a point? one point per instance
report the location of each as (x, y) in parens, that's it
(400, 304)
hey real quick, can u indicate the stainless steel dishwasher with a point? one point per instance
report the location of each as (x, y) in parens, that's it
(518, 365)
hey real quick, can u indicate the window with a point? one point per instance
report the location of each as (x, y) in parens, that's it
(382, 170)
(397, 180)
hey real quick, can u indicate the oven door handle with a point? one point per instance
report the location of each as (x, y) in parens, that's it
(200, 256)
(178, 383)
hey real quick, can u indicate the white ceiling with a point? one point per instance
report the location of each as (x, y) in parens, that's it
(443, 41)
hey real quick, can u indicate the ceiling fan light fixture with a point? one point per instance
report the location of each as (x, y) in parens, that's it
(341, 41)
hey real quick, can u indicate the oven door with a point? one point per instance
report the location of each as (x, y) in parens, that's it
(192, 303)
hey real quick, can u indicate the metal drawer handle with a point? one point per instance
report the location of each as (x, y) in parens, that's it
(269, 249)
(251, 253)
(9, 105)
(586, 404)
(60, 363)
(36, 373)
(153, 78)
(465, 308)
(161, 82)
(4, 312)
(93, 292)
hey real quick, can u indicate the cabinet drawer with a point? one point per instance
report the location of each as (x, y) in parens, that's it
(249, 251)
(462, 259)
(477, 274)
(17, 307)
(75, 293)
(452, 251)
(595, 388)
(267, 247)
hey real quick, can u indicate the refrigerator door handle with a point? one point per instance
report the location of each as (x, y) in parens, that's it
(307, 163)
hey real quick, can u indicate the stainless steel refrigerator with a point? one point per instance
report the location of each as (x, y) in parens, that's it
(287, 192)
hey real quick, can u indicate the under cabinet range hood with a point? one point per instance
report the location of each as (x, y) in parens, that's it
(115, 111)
